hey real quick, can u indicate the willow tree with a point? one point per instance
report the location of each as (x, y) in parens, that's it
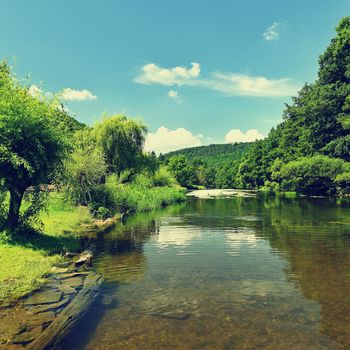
(31, 147)
(121, 141)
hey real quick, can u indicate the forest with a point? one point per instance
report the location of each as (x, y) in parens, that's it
(308, 153)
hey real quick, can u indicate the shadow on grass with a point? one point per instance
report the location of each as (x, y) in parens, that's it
(34, 239)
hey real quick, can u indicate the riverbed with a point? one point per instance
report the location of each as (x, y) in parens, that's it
(246, 272)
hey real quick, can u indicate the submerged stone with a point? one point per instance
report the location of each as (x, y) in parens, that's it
(73, 282)
(27, 337)
(58, 270)
(51, 307)
(106, 300)
(46, 297)
(174, 314)
(64, 276)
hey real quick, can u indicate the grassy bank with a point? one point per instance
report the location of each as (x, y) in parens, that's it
(26, 257)
(137, 198)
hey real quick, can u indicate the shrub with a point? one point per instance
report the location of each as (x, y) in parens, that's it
(102, 213)
(343, 183)
(102, 197)
(163, 178)
(311, 175)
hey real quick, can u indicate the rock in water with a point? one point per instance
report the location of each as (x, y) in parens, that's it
(84, 258)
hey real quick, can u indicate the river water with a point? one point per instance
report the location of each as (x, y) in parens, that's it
(239, 273)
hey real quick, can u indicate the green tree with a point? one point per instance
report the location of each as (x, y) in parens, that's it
(182, 170)
(210, 174)
(316, 122)
(312, 175)
(85, 170)
(31, 147)
(121, 141)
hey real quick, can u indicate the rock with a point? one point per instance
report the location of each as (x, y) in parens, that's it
(70, 255)
(56, 269)
(73, 282)
(51, 307)
(65, 276)
(67, 289)
(41, 320)
(40, 298)
(175, 315)
(84, 258)
(106, 300)
(51, 337)
(27, 337)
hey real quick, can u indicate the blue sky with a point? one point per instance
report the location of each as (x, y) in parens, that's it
(214, 69)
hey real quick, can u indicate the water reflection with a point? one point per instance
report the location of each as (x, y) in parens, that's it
(240, 273)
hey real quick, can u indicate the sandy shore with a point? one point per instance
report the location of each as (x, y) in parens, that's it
(213, 193)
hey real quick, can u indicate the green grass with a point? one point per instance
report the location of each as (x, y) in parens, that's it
(27, 257)
(22, 270)
(62, 218)
(141, 195)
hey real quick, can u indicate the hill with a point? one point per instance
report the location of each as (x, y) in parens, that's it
(213, 154)
(212, 166)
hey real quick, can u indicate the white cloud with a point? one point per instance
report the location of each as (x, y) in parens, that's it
(153, 74)
(237, 135)
(245, 85)
(272, 32)
(175, 236)
(232, 84)
(239, 238)
(69, 94)
(35, 91)
(174, 95)
(165, 140)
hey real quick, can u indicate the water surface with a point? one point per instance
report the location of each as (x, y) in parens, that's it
(238, 273)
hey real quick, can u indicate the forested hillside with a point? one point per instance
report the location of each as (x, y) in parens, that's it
(310, 150)
(212, 154)
(212, 166)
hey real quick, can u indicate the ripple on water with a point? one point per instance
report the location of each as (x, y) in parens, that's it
(239, 273)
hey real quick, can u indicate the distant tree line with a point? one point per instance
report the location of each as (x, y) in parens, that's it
(212, 166)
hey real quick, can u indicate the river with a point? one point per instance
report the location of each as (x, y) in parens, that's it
(264, 272)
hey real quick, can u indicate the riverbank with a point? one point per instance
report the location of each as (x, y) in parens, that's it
(27, 257)
(42, 318)
(220, 193)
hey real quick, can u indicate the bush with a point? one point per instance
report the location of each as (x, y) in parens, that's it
(102, 213)
(311, 175)
(343, 183)
(163, 178)
(102, 197)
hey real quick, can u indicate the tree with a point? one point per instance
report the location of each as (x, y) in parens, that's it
(31, 148)
(312, 175)
(121, 141)
(210, 174)
(183, 172)
(85, 169)
(316, 122)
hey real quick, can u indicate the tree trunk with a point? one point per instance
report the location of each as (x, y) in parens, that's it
(16, 197)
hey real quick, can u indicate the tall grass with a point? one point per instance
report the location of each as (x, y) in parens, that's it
(142, 195)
